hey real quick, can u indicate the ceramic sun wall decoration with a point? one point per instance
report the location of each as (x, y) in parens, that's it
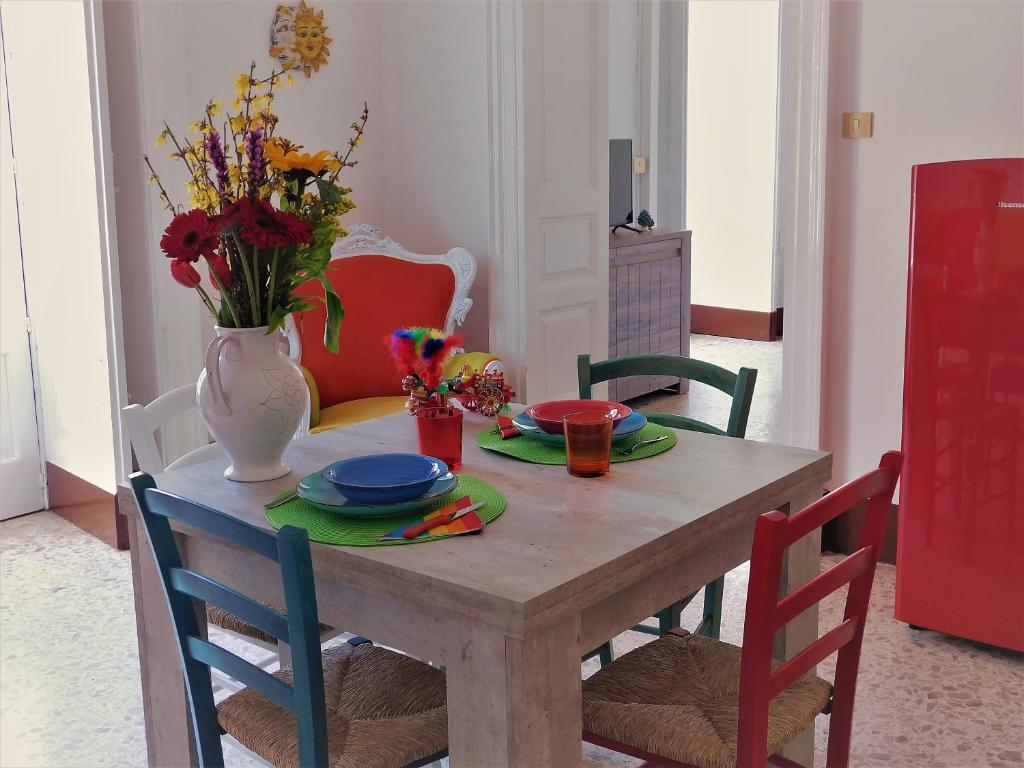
(298, 38)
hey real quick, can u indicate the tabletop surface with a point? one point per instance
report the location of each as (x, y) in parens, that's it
(558, 534)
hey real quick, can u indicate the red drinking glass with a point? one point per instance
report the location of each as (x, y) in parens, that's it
(588, 443)
(440, 431)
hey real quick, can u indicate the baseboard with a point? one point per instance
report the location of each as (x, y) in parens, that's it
(736, 323)
(90, 508)
(843, 533)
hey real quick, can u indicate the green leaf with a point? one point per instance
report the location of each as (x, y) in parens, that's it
(329, 192)
(335, 314)
(277, 318)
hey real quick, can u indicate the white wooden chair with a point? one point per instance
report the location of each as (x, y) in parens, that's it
(142, 422)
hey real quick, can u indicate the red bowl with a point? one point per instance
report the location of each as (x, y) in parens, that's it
(549, 415)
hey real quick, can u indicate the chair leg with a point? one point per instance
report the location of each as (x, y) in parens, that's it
(711, 626)
(284, 655)
(606, 654)
(670, 618)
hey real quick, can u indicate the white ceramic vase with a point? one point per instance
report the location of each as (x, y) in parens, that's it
(252, 398)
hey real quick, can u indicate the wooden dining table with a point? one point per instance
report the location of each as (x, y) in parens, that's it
(571, 563)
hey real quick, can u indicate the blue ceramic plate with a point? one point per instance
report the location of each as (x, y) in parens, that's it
(321, 493)
(385, 478)
(528, 428)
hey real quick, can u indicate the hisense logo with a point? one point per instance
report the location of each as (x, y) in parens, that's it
(1009, 204)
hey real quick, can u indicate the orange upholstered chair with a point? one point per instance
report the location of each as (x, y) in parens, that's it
(382, 287)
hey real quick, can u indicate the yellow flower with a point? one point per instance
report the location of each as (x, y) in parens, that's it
(238, 123)
(197, 127)
(241, 86)
(214, 107)
(289, 80)
(285, 156)
(161, 140)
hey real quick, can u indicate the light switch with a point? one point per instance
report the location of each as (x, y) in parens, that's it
(639, 164)
(858, 125)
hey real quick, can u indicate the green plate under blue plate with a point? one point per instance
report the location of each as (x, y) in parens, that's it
(327, 496)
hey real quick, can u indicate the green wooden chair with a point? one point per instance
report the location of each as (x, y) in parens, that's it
(301, 715)
(739, 386)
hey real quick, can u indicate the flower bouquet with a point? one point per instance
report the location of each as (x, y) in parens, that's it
(257, 252)
(263, 217)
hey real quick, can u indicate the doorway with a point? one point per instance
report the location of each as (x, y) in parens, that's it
(21, 467)
(727, 108)
(60, 270)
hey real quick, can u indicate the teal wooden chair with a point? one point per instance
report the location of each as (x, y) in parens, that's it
(284, 718)
(740, 387)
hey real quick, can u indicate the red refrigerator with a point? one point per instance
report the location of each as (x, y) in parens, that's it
(960, 560)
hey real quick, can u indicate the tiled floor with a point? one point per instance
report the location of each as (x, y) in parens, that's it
(710, 405)
(69, 691)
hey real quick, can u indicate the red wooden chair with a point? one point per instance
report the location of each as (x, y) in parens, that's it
(687, 700)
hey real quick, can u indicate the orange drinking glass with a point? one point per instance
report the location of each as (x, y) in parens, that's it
(440, 431)
(588, 443)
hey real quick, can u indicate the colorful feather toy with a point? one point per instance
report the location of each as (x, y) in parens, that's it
(420, 355)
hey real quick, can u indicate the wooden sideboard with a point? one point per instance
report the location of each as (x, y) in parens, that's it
(649, 303)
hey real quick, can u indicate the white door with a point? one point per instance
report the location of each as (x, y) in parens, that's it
(58, 128)
(550, 104)
(21, 477)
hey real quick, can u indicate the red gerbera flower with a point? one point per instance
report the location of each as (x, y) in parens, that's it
(185, 273)
(301, 229)
(189, 236)
(263, 226)
(219, 265)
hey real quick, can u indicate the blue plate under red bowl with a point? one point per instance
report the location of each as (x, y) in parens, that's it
(385, 478)
(549, 415)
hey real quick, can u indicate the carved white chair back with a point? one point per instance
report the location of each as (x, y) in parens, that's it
(366, 240)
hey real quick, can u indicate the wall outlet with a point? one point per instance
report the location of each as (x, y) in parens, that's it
(639, 164)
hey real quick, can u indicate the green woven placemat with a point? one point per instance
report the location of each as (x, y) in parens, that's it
(331, 528)
(537, 452)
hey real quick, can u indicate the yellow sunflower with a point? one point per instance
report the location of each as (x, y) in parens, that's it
(286, 157)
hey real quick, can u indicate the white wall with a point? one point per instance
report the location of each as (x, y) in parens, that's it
(423, 173)
(59, 218)
(732, 90)
(946, 82)
(434, 170)
(164, 61)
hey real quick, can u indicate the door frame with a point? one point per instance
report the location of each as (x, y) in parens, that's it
(800, 196)
(107, 224)
(800, 211)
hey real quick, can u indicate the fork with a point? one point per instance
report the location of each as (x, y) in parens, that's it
(636, 446)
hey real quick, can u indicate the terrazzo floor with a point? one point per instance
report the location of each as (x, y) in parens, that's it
(710, 405)
(69, 676)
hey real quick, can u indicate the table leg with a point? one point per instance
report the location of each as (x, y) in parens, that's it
(515, 702)
(169, 739)
(802, 563)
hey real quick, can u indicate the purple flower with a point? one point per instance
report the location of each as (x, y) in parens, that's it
(257, 171)
(215, 151)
